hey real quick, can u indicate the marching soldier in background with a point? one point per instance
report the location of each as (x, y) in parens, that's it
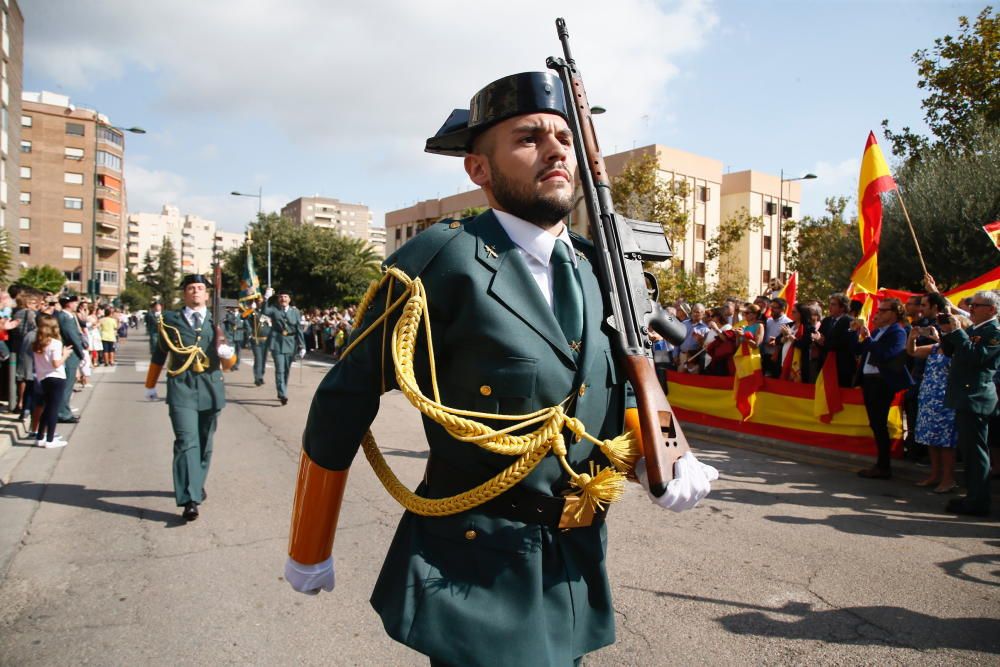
(69, 327)
(258, 328)
(236, 332)
(286, 339)
(194, 360)
(152, 322)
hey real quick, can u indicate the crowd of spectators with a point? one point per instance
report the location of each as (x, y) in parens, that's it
(56, 342)
(327, 330)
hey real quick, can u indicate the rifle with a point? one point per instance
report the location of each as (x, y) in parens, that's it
(622, 246)
(220, 335)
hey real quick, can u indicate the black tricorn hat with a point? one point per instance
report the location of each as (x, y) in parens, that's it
(514, 95)
(192, 278)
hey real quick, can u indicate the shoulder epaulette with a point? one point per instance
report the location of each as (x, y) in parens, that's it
(414, 256)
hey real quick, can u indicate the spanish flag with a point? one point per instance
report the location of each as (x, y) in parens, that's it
(827, 400)
(988, 281)
(748, 378)
(874, 180)
(993, 231)
(789, 291)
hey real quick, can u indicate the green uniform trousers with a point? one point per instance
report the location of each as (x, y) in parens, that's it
(72, 365)
(973, 431)
(193, 431)
(282, 367)
(259, 360)
(154, 341)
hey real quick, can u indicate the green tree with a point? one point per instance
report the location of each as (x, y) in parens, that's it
(136, 295)
(471, 211)
(6, 256)
(641, 193)
(962, 77)
(949, 196)
(164, 284)
(45, 277)
(827, 251)
(320, 267)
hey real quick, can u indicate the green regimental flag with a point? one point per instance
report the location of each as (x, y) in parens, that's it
(249, 285)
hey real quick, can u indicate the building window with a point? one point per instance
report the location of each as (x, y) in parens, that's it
(699, 269)
(765, 276)
(74, 153)
(109, 160)
(786, 212)
(770, 208)
(72, 276)
(767, 242)
(108, 277)
(73, 178)
(699, 232)
(399, 233)
(25, 172)
(75, 129)
(72, 252)
(24, 249)
(105, 133)
(72, 228)
(24, 223)
(26, 121)
(25, 197)
(25, 146)
(73, 203)
(704, 194)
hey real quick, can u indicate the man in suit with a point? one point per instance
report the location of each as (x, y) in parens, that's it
(195, 391)
(883, 373)
(835, 337)
(971, 392)
(72, 336)
(517, 319)
(286, 340)
(152, 322)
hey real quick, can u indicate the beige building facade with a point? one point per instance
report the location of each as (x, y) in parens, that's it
(11, 78)
(350, 220)
(710, 198)
(195, 240)
(72, 193)
(376, 239)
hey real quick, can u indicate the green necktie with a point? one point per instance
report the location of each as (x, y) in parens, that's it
(196, 321)
(567, 295)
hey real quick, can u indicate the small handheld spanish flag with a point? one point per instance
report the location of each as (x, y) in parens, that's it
(993, 231)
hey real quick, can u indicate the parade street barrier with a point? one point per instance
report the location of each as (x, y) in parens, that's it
(783, 410)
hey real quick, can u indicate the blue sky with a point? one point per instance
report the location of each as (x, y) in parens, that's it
(306, 97)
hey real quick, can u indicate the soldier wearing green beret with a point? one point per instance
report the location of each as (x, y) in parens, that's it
(194, 358)
(975, 358)
(286, 340)
(513, 575)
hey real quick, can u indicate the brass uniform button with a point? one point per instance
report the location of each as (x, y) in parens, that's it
(471, 535)
(455, 225)
(486, 390)
(583, 389)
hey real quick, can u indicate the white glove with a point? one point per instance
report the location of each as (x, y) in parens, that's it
(691, 482)
(151, 394)
(225, 351)
(309, 579)
(302, 354)
(268, 293)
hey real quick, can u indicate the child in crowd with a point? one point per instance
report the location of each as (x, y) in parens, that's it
(50, 378)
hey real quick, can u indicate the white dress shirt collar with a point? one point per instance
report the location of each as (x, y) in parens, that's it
(532, 239)
(189, 312)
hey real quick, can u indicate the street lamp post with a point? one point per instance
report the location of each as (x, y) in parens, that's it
(93, 288)
(260, 198)
(781, 196)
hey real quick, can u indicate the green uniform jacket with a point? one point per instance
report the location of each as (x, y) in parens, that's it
(200, 391)
(257, 331)
(975, 357)
(69, 328)
(152, 321)
(286, 335)
(517, 594)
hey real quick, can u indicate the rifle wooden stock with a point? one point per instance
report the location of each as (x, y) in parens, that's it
(663, 442)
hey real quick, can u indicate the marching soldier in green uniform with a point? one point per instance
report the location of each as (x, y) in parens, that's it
(152, 322)
(500, 556)
(258, 328)
(235, 332)
(69, 327)
(286, 340)
(975, 358)
(194, 359)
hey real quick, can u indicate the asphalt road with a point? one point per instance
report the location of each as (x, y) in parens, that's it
(785, 563)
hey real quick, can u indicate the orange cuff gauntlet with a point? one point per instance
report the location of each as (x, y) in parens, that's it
(318, 495)
(153, 375)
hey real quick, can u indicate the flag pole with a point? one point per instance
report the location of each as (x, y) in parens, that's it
(909, 224)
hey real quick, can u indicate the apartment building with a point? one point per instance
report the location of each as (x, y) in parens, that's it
(11, 77)
(226, 241)
(710, 198)
(193, 238)
(351, 220)
(72, 193)
(376, 239)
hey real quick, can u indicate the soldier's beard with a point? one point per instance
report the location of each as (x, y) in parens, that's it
(544, 210)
